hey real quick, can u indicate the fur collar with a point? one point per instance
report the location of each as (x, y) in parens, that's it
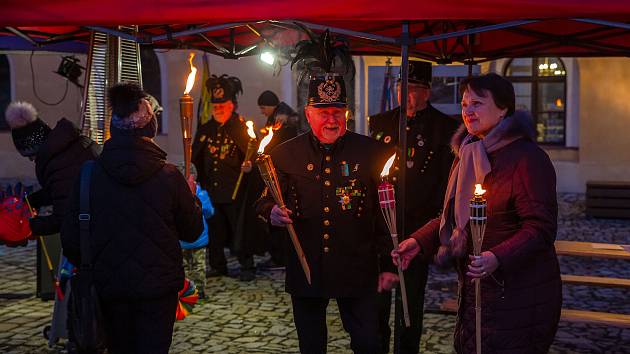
(521, 124)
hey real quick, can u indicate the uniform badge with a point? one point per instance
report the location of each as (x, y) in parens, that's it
(345, 169)
(310, 167)
(346, 193)
(379, 135)
(356, 167)
(387, 139)
(218, 92)
(329, 90)
(202, 138)
(344, 200)
(420, 140)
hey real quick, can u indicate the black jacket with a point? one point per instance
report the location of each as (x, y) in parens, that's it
(342, 242)
(429, 159)
(140, 208)
(218, 152)
(57, 166)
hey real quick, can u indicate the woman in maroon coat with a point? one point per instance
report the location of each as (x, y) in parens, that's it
(520, 277)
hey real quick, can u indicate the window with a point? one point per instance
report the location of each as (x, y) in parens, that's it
(5, 90)
(540, 87)
(151, 78)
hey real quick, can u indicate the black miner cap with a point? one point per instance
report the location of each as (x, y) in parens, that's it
(420, 72)
(327, 90)
(224, 88)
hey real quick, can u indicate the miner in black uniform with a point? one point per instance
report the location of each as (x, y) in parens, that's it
(218, 152)
(329, 178)
(429, 160)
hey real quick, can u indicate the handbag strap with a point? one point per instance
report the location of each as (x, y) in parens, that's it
(84, 214)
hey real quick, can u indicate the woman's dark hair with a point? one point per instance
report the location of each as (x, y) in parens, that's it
(501, 89)
(124, 98)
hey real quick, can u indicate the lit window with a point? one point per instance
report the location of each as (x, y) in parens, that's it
(540, 87)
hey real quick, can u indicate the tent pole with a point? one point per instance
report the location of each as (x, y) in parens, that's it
(481, 29)
(114, 32)
(364, 35)
(604, 23)
(405, 40)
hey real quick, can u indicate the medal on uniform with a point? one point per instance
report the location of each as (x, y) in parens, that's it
(346, 193)
(345, 169)
(379, 135)
(356, 168)
(420, 140)
(387, 139)
(411, 152)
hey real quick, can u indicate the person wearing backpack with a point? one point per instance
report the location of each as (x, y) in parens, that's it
(140, 208)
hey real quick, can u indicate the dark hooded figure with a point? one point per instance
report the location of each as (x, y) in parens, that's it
(58, 154)
(140, 206)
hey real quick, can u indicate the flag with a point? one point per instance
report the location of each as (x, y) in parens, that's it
(204, 108)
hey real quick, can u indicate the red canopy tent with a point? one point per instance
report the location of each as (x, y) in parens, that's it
(441, 31)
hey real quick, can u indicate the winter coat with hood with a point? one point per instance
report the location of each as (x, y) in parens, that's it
(57, 166)
(521, 301)
(140, 206)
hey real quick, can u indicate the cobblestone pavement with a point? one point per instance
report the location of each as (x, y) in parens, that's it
(255, 317)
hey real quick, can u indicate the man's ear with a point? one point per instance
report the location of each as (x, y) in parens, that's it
(307, 113)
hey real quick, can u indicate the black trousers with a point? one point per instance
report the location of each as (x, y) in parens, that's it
(222, 228)
(415, 281)
(140, 326)
(358, 315)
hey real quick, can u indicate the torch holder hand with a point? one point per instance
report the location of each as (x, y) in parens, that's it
(269, 176)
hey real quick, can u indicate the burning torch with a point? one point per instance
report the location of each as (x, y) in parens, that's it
(478, 221)
(251, 147)
(387, 200)
(186, 115)
(268, 174)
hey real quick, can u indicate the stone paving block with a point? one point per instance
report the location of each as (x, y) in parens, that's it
(236, 312)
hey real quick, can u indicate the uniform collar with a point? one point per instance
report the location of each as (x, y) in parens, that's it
(330, 149)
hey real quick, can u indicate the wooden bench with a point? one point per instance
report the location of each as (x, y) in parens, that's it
(593, 317)
(608, 199)
(584, 249)
(592, 249)
(595, 281)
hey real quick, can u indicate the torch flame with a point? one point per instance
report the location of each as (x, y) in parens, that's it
(478, 190)
(388, 165)
(250, 129)
(266, 140)
(191, 77)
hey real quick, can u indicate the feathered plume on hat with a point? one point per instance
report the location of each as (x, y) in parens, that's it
(19, 114)
(27, 130)
(320, 54)
(224, 88)
(325, 60)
